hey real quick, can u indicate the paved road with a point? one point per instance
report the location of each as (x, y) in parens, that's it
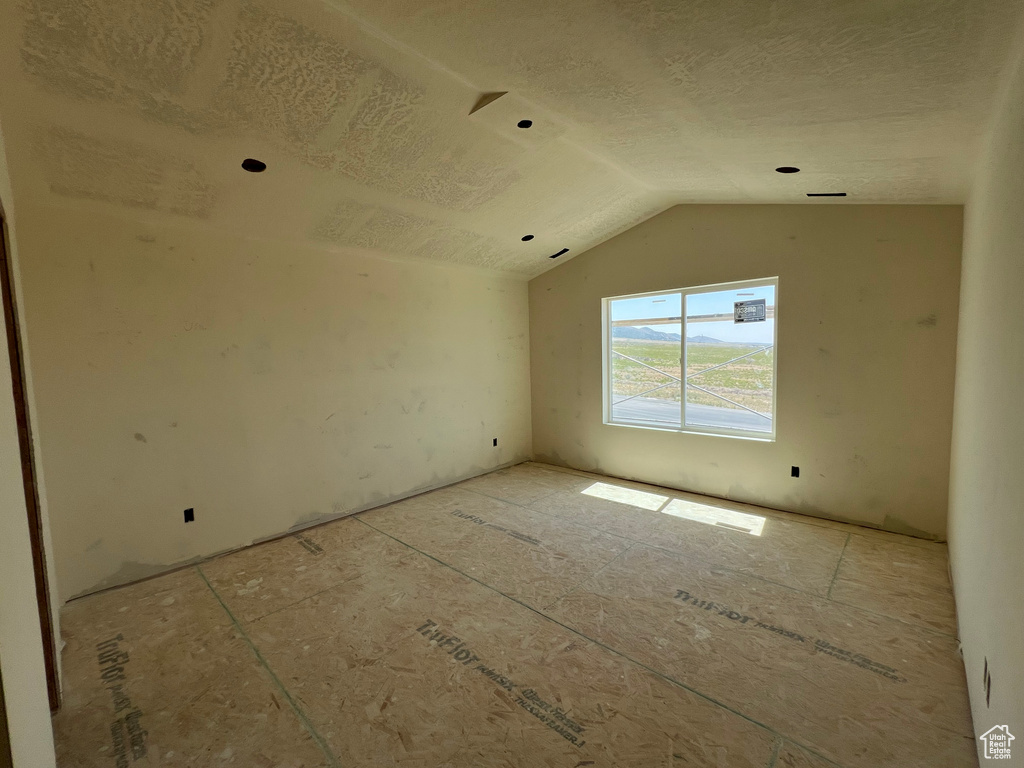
(653, 409)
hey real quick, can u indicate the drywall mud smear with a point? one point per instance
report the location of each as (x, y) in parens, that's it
(274, 385)
(125, 173)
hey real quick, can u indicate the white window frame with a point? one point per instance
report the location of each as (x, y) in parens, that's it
(606, 350)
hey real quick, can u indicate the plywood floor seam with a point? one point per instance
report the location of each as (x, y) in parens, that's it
(797, 518)
(529, 617)
(839, 565)
(781, 737)
(331, 759)
(577, 586)
(726, 568)
(508, 501)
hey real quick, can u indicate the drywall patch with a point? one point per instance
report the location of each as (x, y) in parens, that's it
(426, 160)
(471, 178)
(339, 225)
(284, 78)
(382, 132)
(619, 211)
(450, 244)
(595, 85)
(394, 144)
(497, 255)
(390, 230)
(122, 172)
(138, 53)
(90, 47)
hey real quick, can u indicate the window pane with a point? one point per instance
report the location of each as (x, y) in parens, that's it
(729, 365)
(646, 347)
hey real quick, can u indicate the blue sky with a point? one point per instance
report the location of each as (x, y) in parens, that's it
(716, 302)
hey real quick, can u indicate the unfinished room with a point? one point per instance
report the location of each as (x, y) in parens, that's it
(478, 384)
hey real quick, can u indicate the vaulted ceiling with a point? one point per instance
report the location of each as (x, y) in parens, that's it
(363, 112)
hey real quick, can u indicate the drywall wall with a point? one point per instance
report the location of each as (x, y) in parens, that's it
(21, 649)
(986, 514)
(263, 385)
(866, 345)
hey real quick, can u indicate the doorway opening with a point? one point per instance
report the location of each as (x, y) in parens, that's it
(28, 473)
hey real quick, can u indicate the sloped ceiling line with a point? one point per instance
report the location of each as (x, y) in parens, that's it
(366, 106)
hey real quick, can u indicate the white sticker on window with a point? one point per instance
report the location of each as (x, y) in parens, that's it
(752, 311)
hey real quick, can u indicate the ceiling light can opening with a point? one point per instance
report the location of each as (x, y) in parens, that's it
(254, 166)
(524, 123)
(787, 169)
(527, 238)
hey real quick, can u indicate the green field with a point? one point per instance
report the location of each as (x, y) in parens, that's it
(746, 381)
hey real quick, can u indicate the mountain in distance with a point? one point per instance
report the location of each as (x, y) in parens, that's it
(649, 334)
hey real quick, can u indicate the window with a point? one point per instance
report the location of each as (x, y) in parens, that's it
(694, 360)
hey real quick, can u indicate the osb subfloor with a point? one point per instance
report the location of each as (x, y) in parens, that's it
(530, 617)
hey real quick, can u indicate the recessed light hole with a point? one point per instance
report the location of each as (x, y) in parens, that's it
(527, 238)
(826, 194)
(787, 169)
(524, 123)
(254, 166)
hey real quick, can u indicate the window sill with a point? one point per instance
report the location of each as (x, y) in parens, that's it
(690, 431)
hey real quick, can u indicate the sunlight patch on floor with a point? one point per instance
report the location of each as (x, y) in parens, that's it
(630, 496)
(690, 510)
(723, 518)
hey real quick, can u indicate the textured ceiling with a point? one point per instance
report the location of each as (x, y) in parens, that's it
(362, 112)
